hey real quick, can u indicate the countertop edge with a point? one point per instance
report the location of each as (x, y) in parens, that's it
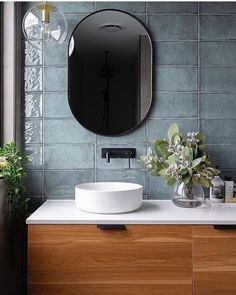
(174, 222)
(152, 212)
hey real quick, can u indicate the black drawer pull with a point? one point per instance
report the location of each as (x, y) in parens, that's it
(224, 226)
(111, 226)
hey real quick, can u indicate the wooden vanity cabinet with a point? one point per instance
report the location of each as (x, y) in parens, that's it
(85, 260)
(214, 261)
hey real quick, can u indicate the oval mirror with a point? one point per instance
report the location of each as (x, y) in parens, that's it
(110, 72)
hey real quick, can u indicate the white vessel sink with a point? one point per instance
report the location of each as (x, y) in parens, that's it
(108, 197)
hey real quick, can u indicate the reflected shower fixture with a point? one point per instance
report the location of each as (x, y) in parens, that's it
(111, 28)
(44, 23)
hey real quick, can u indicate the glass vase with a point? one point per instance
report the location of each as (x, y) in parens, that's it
(187, 196)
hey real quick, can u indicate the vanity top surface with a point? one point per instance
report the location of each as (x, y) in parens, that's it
(151, 212)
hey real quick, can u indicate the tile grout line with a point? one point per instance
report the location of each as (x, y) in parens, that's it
(95, 144)
(198, 114)
(43, 123)
(198, 66)
(146, 121)
(155, 67)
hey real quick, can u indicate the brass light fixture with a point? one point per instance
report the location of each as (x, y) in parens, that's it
(44, 23)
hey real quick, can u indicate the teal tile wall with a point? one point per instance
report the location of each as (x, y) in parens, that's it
(194, 47)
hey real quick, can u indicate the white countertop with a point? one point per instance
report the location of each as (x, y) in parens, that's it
(152, 212)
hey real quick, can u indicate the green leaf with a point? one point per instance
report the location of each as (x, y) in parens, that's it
(214, 170)
(200, 136)
(171, 181)
(172, 159)
(196, 162)
(176, 138)
(160, 142)
(190, 171)
(204, 182)
(163, 171)
(155, 173)
(195, 180)
(14, 174)
(203, 158)
(165, 177)
(202, 147)
(187, 151)
(161, 150)
(173, 129)
(186, 179)
(190, 154)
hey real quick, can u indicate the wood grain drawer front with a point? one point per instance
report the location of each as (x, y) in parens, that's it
(81, 259)
(214, 261)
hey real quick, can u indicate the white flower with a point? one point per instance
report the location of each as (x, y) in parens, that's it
(148, 159)
(176, 148)
(192, 138)
(185, 164)
(197, 175)
(172, 170)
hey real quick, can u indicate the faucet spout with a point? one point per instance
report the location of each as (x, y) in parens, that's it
(107, 157)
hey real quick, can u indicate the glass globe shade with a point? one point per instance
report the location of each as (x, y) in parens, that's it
(37, 31)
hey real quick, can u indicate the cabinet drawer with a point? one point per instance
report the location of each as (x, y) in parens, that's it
(214, 261)
(142, 259)
(41, 234)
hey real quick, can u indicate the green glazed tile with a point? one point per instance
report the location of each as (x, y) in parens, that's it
(135, 7)
(33, 131)
(218, 27)
(175, 79)
(217, 105)
(55, 79)
(137, 135)
(218, 79)
(62, 184)
(33, 183)
(80, 156)
(219, 131)
(223, 156)
(72, 21)
(173, 27)
(171, 7)
(175, 53)
(218, 7)
(33, 104)
(66, 131)
(59, 59)
(218, 53)
(56, 105)
(35, 156)
(174, 105)
(33, 79)
(74, 7)
(156, 188)
(33, 56)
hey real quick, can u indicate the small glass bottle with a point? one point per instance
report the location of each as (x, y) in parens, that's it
(216, 190)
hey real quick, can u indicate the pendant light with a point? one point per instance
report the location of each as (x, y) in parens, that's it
(44, 23)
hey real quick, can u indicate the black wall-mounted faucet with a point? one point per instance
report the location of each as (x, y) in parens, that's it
(127, 153)
(108, 157)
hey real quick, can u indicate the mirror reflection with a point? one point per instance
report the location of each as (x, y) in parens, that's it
(110, 72)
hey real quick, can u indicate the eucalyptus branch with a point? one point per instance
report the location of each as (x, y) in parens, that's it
(180, 159)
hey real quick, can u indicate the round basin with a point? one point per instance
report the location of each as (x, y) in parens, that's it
(108, 197)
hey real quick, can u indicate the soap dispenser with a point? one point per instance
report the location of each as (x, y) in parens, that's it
(229, 188)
